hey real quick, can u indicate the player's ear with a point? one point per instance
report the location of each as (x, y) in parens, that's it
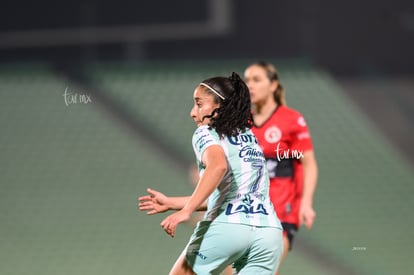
(274, 85)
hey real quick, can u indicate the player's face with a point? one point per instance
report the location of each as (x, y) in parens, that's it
(204, 105)
(260, 87)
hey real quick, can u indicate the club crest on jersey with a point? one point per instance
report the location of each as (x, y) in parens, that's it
(272, 134)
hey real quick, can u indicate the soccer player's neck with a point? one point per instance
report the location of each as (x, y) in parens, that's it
(264, 111)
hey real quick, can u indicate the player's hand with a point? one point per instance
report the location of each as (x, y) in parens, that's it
(154, 203)
(307, 215)
(169, 224)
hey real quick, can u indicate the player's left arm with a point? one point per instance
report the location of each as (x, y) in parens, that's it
(310, 177)
(302, 141)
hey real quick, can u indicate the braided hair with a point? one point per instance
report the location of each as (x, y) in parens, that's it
(234, 114)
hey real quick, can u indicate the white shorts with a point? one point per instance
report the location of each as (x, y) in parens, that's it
(251, 250)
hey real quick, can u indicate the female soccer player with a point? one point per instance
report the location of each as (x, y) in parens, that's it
(240, 226)
(286, 142)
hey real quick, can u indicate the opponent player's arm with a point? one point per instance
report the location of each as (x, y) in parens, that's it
(310, 170)
(215, 164)
(310, 176)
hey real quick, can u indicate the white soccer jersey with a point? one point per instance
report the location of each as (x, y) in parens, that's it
(243, 194)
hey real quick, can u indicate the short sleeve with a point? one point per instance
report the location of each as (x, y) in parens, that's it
(202, 139)
(301, 138)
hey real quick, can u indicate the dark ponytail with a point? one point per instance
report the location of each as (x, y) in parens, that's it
(234, 114)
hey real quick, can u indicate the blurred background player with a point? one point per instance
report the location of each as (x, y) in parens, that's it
(286, 142)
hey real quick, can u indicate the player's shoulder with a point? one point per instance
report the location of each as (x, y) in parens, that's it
(292, 116)
(288, 111)
(201, 129)
(204, 137)
(205, 131)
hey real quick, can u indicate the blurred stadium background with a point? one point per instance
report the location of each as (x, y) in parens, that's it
(71, 168)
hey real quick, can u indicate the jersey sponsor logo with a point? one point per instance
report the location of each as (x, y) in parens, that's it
(282, 168)
(288, 208)
(250, 154)
(271, 167)
(272, 134)
(199, 254)
(301, 121)
(202, 141)
(243, 138)
(248, 206)
(303, 135)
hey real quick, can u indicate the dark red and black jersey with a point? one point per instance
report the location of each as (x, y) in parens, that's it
(284, 137)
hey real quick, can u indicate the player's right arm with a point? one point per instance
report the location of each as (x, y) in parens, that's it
(156, 202)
